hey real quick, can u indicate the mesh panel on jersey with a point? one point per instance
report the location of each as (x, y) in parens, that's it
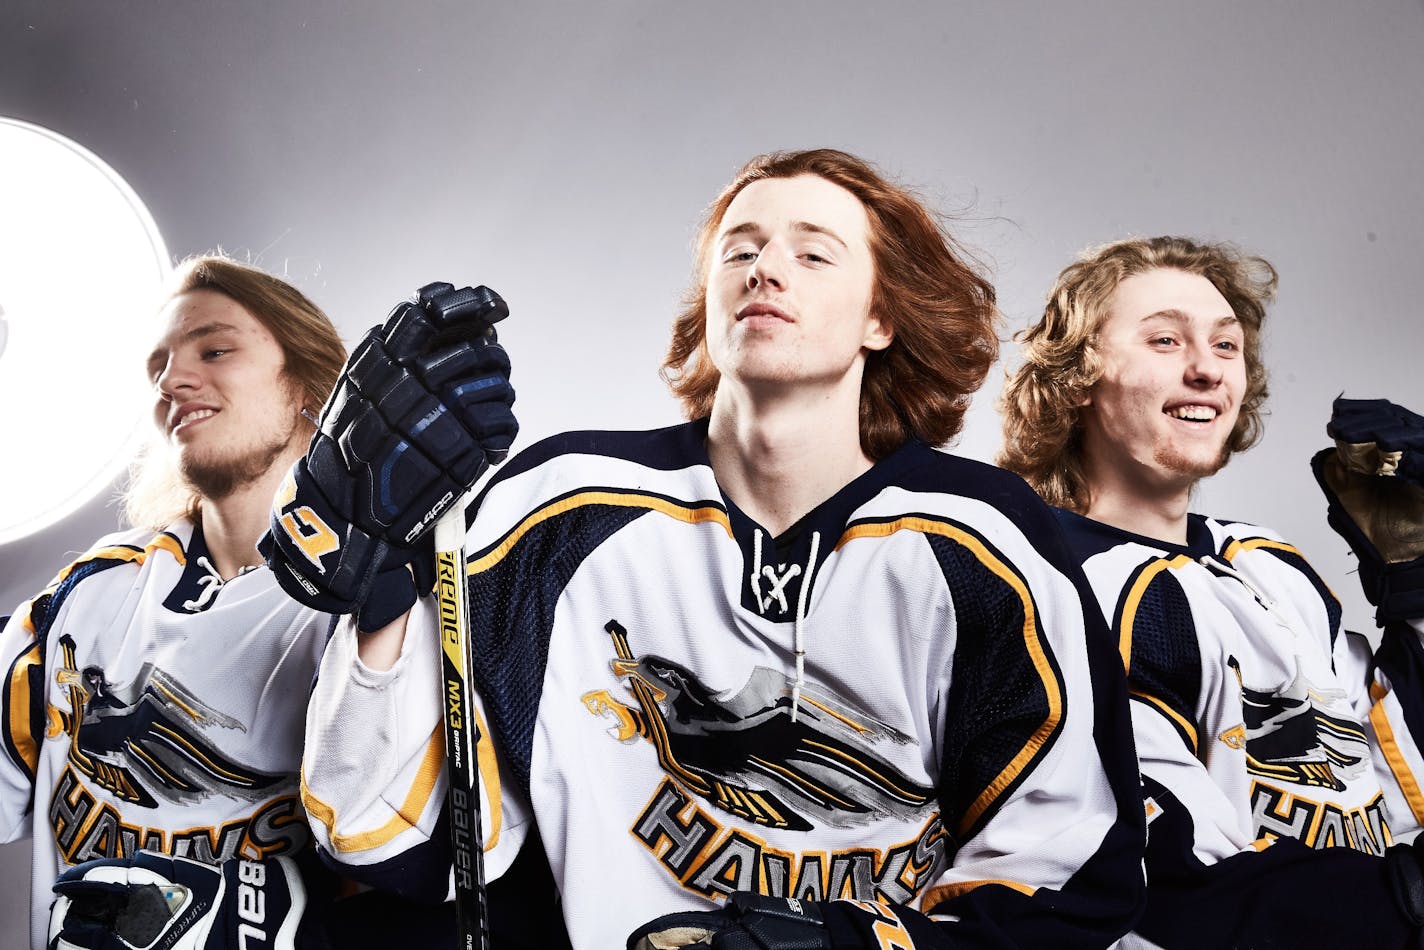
(997, 699)
(1165, 660)
(512, 606)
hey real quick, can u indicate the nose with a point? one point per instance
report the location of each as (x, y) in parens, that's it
(769, 268)
(1204, 367)
(175, 377)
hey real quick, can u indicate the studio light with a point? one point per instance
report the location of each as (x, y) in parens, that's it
(81, 267)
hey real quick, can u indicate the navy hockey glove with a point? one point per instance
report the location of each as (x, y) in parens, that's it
(757, 922)
(1406, 879)
(154, 900)
(421, 410)
(746, 922)
(1374, 482)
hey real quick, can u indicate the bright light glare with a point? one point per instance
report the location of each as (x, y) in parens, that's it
(81, 266)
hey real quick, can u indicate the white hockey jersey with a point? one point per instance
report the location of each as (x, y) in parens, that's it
(956, 743)
(147, 704)
(1261, 732)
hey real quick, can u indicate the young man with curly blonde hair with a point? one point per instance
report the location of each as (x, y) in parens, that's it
(1277, 767)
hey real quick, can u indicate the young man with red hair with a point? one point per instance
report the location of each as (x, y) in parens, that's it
(787, 647)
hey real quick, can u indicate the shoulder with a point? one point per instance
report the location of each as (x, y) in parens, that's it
(1226, 531)
(111, 560)
(934, 472)
(666, 463)
(668, 448)
(132, 547)
(991, 504)
(1117, 561)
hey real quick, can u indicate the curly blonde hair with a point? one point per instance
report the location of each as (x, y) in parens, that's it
(928, 291)
(1043, 399)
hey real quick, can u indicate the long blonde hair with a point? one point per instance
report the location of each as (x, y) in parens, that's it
(157, 494)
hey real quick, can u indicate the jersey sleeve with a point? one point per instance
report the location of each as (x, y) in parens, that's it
(374, 781)
(1039, 781)
(22, 663)
(1392, 705)
(23, 643)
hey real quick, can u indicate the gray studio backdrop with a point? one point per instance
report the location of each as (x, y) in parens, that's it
(562, 154)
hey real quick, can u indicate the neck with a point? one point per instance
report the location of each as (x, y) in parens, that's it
(778, 455)
(233, 524)
(1151, 510)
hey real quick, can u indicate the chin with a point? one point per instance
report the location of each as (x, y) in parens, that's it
(1195, 465)
(217, 475)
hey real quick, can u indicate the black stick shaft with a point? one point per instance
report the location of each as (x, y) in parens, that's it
(461, 731)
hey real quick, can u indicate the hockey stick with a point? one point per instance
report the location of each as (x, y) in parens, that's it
(461, 732)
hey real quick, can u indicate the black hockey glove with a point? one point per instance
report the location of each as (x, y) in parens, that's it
(153, 900)
(746, 922)
(1406, 878)
(421, 410)
(756, 922)
(1374, 482)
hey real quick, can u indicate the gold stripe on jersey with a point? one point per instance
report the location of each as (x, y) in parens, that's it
(406, 816)
(1251, 544)
(1133, 601)
(489, 778)
(944, 892)
(840, 717)
(172, 697)
(1036, 652)
(422, 788)
(860, 766)
(18, 726)
(616, 499)
(1183, 726)
(1403, 774)
(185, 746)
(118, 552)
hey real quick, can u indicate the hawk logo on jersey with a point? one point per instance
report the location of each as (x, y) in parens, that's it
(743, 753)
(1302, 734)
(144, 740)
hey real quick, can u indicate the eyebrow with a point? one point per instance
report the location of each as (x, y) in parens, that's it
(1179, 316)
(806, 227)
(197, 333)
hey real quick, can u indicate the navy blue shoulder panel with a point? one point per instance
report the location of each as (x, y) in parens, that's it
(665, 449)
(670, 448)
(930, 470)
(1089, 538)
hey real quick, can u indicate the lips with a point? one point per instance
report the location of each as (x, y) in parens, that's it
(763, 310)
(1193, 412)
(186, 415)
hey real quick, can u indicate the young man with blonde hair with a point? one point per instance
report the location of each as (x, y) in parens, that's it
(1277, 755)
(154, 693)
(783, 670)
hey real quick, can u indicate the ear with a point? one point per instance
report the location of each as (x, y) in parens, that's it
(877, 335)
